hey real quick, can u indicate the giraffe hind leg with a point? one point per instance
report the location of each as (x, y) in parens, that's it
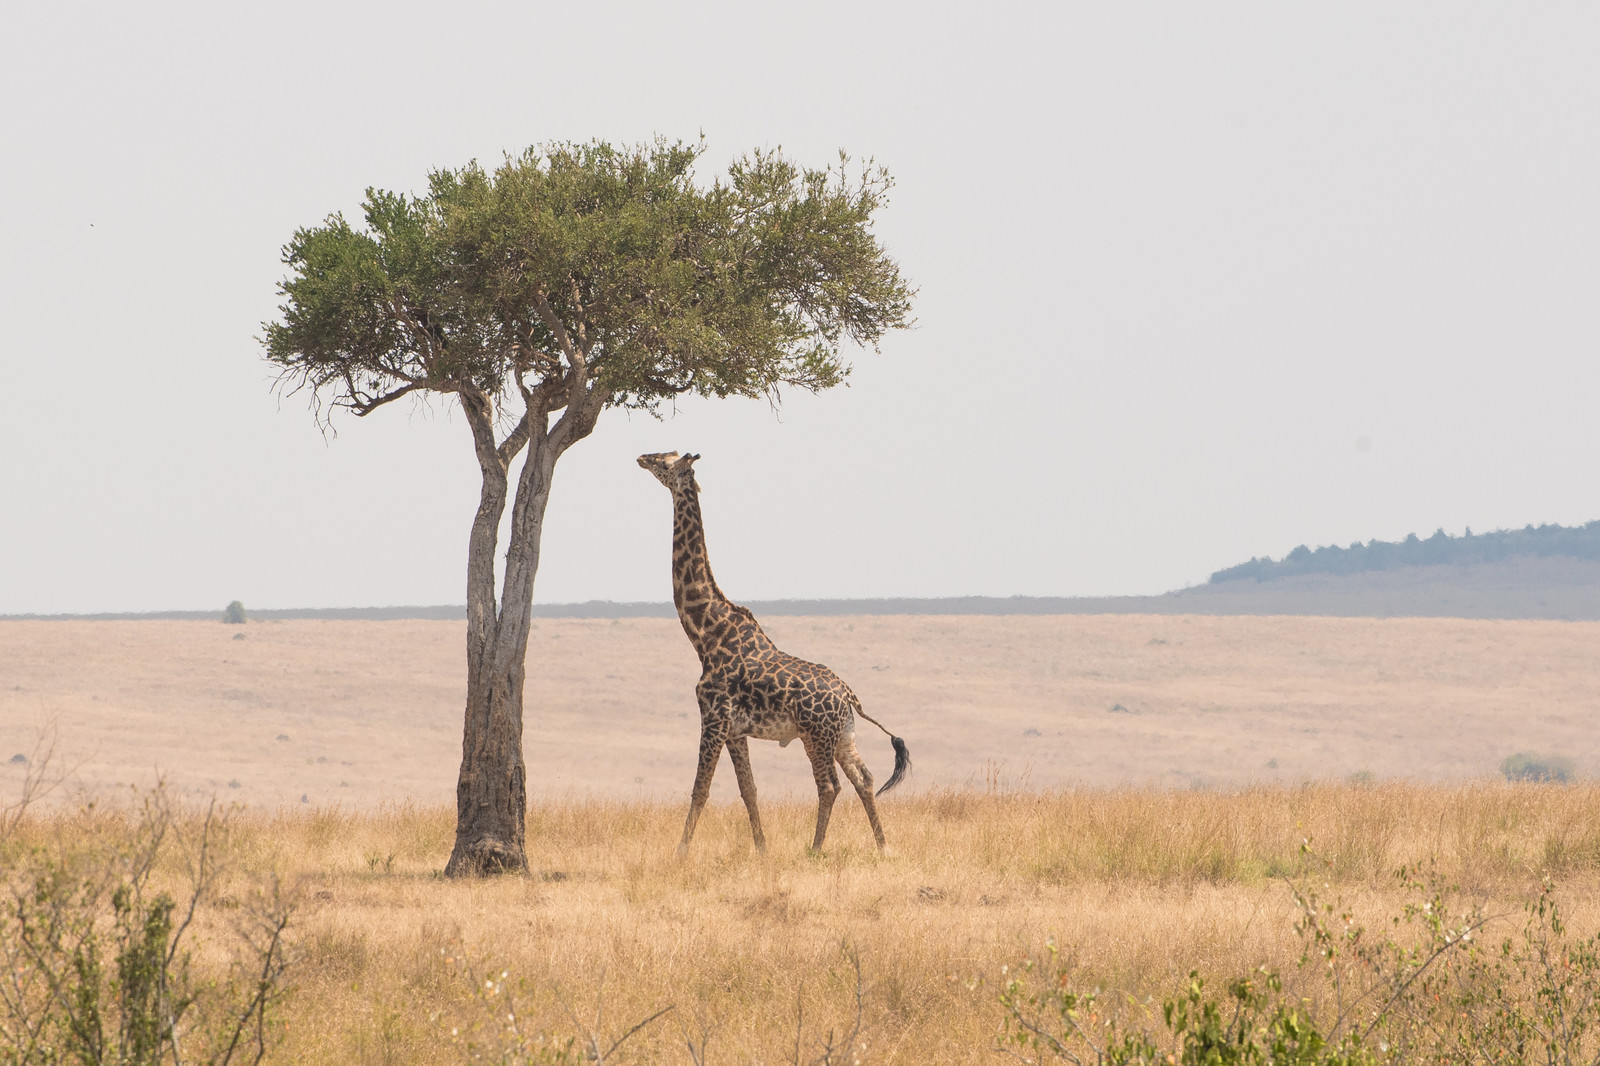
(855, 768)
(827, 789)
(739, 752)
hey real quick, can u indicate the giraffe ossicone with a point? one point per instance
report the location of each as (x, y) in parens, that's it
(748, 688)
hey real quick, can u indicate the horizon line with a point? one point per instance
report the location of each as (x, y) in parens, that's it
(596, 608)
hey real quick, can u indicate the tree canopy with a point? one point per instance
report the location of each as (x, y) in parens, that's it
(583, 271)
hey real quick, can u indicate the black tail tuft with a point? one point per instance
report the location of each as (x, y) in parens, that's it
(902, 764)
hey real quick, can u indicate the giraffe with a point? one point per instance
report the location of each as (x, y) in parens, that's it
(748, 688)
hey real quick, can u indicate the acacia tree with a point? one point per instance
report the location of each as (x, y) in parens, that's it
(573, 278)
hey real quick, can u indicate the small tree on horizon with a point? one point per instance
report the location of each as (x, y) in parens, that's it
(573, 278)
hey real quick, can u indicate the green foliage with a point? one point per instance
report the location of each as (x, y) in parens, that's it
(1436, 987)
(96, 968)
(1430, 986)
(1526, 766)
(1261, 1027)
(1253, 1025)
(588, 261)
(234, 614)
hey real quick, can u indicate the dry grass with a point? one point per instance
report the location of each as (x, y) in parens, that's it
(1137, 887)
(756, 955)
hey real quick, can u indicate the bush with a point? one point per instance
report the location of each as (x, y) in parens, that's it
(1428, 986)
(234, 615)
(1526, 766)
(1255, 1025)
(96, 959)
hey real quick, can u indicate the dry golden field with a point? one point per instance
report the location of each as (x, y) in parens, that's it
(1039, 811)
(755, 956)
(357, 713)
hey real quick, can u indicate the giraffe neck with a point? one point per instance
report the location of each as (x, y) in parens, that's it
(694, 590)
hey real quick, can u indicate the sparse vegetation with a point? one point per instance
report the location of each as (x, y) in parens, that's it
(848, 956)
(1524, 766)
(121, 947)
(1425, 986)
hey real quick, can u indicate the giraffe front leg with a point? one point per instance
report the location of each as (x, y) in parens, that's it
(710, 750)
(739, 752)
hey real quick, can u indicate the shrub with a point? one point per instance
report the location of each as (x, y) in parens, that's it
(96, 957)
(1254, 1025)
(1526, 766)
(1427, 986)
(234, 614)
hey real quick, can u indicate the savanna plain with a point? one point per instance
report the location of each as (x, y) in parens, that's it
(1305, 814)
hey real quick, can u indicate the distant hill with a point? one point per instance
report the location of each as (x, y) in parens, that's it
(1530, 586)
(1441, 549)
(1549, 572)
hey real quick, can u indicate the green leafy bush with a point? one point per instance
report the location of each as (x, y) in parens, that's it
(1526, 766)
(1430, 985)
(1254, 1024)
(234, 614)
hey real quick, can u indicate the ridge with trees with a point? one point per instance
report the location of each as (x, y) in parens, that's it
(1441, 549)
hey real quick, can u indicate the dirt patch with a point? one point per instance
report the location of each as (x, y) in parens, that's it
(361, 713)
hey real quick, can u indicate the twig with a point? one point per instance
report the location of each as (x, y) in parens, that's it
(618, 1042)
(592, 1036)
(828, 1046)
(37, 781)
(799, 1020)
(697, 1055)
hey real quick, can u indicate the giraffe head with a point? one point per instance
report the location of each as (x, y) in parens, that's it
(674, 471)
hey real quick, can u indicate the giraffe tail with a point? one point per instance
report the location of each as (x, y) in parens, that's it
(902, 755)
(902, 763)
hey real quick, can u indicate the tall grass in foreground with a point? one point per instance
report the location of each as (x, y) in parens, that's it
(731, 957)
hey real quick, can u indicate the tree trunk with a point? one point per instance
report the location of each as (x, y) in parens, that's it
(492, 790)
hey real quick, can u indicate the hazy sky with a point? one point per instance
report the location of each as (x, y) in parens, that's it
(1197, 282)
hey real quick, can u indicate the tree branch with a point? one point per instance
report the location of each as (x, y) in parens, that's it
(515, 440)
(480, 418)
(582, 412)
(554, 324)
(577, 309)
(362, 408)
(421, 331)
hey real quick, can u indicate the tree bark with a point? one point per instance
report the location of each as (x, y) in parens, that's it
(492, 791)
